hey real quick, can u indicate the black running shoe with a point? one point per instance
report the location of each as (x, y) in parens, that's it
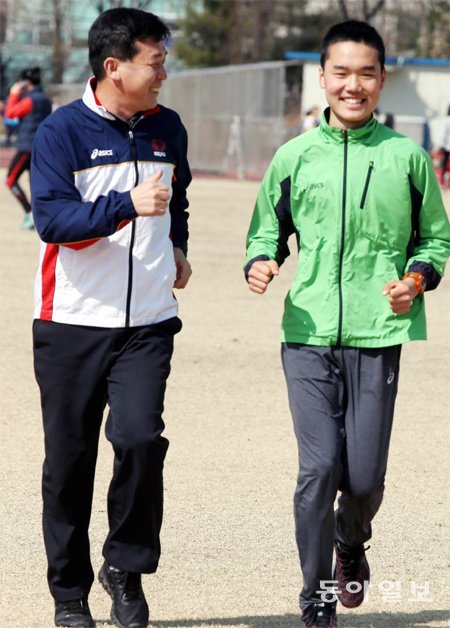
(352, 573)
(73, 613)
(321, 615)
(129, 608)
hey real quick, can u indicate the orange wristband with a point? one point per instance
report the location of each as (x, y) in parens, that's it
(420, 280)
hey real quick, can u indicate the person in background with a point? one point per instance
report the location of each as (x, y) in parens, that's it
(389, 120)
(311, 120)
(28, 103)
(372, 236)
(444, 145)
(109, 175)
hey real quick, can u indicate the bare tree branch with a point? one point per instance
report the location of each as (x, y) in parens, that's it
(365, 9)
(3, 19)
(343, 9)
(59, 56)
(370, 13)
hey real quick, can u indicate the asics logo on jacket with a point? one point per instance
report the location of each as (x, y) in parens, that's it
(100, 153)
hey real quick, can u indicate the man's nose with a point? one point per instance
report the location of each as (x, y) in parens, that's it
(162, 74)
(353, 82)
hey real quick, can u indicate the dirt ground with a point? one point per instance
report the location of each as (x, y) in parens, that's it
(229, 555)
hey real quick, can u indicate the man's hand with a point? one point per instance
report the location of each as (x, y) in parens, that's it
(151, 197)
(184, 270)
(261, 274)
(401, 294)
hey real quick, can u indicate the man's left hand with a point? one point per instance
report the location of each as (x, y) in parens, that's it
(184, 270)
(401, 294)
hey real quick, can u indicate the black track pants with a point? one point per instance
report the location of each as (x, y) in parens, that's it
(342, 404)
(79, 370)
(19, 164)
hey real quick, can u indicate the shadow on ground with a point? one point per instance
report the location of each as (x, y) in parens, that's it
(366, 620)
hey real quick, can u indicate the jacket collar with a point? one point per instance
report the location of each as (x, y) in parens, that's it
(91, 101)
(333, 134)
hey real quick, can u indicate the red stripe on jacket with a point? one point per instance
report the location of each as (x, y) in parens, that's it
(48, 281)
(77, 246)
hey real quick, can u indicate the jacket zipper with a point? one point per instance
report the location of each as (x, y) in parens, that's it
(366, 185)
(133, 229)
(341, 253)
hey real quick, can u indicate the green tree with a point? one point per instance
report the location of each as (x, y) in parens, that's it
(205, 38)
(224, 32)
(237, 31)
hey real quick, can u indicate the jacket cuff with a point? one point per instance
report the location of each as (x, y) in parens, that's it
(431, 276)
(181, 245)
(258, 258)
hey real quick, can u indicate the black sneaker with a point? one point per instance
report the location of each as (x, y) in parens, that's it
(73, 613)
(321, 615)
(129, 608)
(352, 573)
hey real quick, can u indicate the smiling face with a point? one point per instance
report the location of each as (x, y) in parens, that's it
(142, 76)
(133, 85)
(352, 79)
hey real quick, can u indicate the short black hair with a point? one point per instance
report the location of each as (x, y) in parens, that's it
(353, 30)
(114, 33)
(32, 74)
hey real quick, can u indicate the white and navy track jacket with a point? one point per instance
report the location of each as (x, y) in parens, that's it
(100, 264)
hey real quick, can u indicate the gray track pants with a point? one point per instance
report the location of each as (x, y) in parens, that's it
(342, 403)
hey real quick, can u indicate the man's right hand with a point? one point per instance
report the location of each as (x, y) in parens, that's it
(261, 274)
(151, 197)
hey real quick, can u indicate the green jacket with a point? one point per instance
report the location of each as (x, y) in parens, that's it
(366, 207)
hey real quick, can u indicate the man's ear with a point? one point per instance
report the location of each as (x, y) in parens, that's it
(111, 67)
(383, 77)
(321, 78)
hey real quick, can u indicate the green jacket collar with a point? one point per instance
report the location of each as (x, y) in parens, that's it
(333, 134)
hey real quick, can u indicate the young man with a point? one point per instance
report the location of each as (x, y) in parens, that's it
(373, 234)
(27, 103)
(109, 177)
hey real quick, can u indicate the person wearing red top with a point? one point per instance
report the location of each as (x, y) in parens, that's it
(28, 102)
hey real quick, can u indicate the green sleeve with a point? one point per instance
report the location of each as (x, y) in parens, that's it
(268, 231)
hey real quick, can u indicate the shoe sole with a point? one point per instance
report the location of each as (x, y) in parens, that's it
(82, 624)
(104, 582)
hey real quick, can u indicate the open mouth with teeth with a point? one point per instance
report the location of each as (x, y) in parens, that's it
(353, 101)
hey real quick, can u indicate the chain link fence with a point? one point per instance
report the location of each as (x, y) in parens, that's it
(235, 116)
